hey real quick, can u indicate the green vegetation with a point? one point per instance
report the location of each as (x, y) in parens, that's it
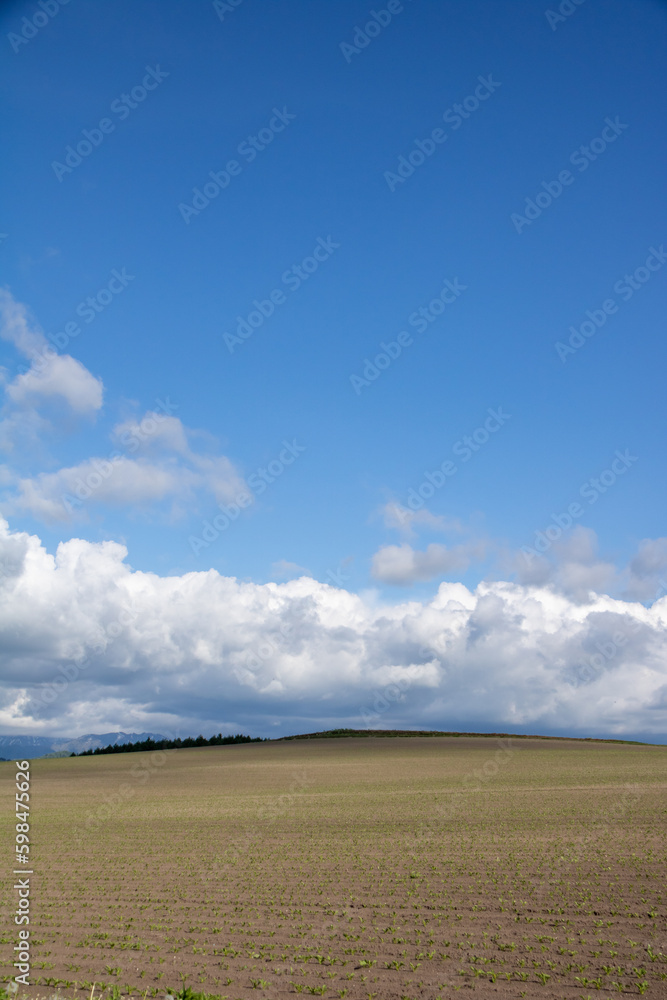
(142, 745)
(351, 868)
(338, 733)
(220, 740)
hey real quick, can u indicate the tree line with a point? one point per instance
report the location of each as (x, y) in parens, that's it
(177, 744)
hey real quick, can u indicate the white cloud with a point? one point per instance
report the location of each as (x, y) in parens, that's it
(56, 496)
(151, 434)
(283, 569)
(51, 378)
(16, 327)
(166, 466)
(648, 570)
(204, 652)
(166, 469)
(571, 566)
(58, 378)
(218, 474)
(403, 565)
(401, 518)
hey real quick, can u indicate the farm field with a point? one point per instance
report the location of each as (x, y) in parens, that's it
(348, 868)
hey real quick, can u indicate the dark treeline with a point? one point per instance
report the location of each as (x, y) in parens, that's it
(189, 741)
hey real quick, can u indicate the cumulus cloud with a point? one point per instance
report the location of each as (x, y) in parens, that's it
(402, 565)
(51, 379)
(284, 569)
(89, 644)
(405, 520)
(571, 565)
(166, 468)
(648, 570)
(165, 432)
(17, 327)
(154, 459)
(52, 497)
(59, 377)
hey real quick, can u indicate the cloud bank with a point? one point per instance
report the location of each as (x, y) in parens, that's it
(88, 644)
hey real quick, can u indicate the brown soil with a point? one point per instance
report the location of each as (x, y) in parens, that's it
(417, 868)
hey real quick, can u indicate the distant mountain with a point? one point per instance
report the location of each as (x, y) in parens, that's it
(29, 747)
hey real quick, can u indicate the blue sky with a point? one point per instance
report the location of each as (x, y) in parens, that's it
(333, 126)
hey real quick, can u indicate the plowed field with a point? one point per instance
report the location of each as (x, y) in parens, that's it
(356, 868)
